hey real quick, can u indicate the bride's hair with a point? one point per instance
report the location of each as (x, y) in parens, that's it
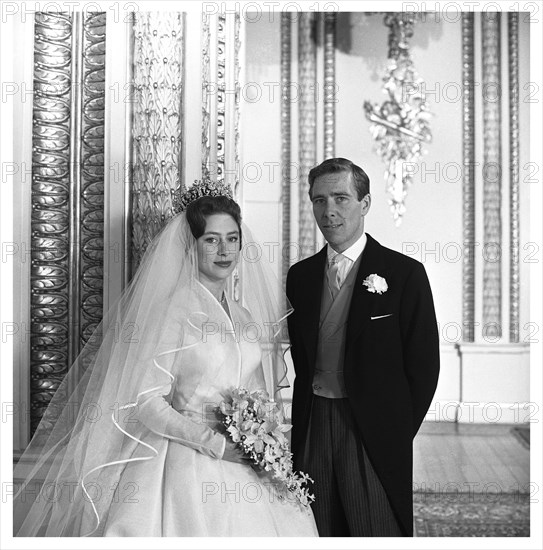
(198, 210)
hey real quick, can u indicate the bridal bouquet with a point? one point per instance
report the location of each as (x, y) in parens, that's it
(256, 424)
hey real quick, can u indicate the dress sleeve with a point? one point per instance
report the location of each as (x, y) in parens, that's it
(157, 414)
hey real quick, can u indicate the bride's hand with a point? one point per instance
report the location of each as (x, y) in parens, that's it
(233, 453)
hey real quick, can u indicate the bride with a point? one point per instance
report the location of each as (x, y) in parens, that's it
(134, 446)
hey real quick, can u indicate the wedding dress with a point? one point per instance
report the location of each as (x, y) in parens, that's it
(130, 444)
(186, 490)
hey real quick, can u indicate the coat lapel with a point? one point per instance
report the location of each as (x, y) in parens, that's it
(362, 300)
(311, 303)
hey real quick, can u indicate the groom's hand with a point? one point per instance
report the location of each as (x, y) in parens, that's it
(232, 453)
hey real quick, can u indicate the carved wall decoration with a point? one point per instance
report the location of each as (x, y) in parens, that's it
(329, 85)
(206, 94)
(514, 160)
(307, 138)
(221, 66)
(157, 123)
(50, 209)
(286, 157)
(220, 91)
(400, 125)
(236, 106)
(67, 196)
(468, 183)
(492, 163)
(92, 174)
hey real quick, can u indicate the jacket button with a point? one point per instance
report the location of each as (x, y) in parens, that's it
(316, 387)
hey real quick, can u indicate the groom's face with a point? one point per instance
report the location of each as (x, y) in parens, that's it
(338, 212)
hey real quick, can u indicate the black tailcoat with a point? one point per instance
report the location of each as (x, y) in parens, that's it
(391, 363)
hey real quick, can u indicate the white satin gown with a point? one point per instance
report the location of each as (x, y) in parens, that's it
(188, 490)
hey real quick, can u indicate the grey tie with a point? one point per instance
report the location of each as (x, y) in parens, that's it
(333, 279)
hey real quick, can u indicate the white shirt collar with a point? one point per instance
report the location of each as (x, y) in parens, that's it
(353, 252)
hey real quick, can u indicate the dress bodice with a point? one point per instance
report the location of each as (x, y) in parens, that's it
(221, 353)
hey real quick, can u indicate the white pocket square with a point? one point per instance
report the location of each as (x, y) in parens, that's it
(381, 316)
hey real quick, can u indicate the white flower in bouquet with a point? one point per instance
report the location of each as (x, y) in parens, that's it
(256, 423)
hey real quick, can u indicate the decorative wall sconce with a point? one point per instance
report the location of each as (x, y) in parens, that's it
(400, 125)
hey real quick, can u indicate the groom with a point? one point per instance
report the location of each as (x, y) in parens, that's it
(366, 354)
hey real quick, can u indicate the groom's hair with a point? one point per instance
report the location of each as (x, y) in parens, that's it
(332, 166)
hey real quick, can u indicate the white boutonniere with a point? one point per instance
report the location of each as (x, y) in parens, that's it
(375, 283)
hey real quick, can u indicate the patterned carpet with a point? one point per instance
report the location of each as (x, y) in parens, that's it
(472, 515)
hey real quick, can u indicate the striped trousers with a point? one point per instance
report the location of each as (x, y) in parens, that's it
(349, 498)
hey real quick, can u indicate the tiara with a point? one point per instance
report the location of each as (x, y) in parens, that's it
(207, 188)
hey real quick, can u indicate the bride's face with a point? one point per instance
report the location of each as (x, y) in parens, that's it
(218, 247)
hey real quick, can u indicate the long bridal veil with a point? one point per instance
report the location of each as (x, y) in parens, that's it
(67, 477)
